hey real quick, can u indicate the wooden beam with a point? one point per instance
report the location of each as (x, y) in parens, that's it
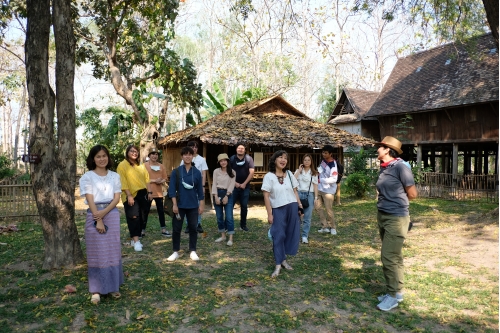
(419, 156)
(455, 161)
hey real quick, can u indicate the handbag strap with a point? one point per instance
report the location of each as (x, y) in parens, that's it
(309, 190)
(291, 183)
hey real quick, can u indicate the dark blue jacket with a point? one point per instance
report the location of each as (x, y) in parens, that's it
(186, 199)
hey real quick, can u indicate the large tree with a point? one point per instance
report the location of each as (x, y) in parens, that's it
(128, 43)
(54, 176)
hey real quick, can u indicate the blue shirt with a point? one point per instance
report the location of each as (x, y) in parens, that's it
(186, 198)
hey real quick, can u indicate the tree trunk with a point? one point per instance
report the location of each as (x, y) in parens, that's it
(54, 177)
(491, 8)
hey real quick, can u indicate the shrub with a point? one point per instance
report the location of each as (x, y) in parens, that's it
(6, 169)
(358, 184)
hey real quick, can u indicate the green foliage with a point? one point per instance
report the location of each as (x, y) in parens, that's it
(190, 120)
(116, 135)
(327, 98)
(358, 184)
(360, 179)
(6, 166)
(403, 128)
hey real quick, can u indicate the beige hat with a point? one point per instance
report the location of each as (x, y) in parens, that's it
(393, 143)
(222, 157)
(153, 150)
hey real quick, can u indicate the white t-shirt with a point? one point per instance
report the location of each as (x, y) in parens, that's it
(280, 194)
(305, 181)
(199, 162)
(103, 188)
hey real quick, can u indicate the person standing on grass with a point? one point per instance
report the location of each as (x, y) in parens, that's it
(201, 164)
(136, 194)
(222, 188)
(243, 166)
(188, 202)
(396, 187)
(327, 187)
(283, 209)
(101, 189)
(307, 175)
(157, 177)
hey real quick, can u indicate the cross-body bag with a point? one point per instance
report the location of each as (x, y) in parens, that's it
(305, 202)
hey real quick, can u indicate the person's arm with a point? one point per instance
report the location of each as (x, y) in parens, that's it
(121, 170)
(267, 203)
(411, 192)
(203, 178)
(251, 171)
(93, 208)
(214, 186)
(315, 187)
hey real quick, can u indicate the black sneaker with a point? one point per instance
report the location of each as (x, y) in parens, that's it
(244, 228)
(187, 230)
(410, 226)
(166, 233)
(199, 229)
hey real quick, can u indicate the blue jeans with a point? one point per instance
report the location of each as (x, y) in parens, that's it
(225, 224)
(306, 220)
(242, 195)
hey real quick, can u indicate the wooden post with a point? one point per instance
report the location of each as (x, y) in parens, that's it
(419, 156)
(455, 163)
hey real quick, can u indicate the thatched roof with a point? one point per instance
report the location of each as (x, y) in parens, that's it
(443, 77)
(271, 121)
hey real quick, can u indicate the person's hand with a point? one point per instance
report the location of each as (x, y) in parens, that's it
(224, 200)
(301, 167)
(200, 210)
(237, 185)
(159, 181)
(301, 211)
(270, 218)
(100, 226)
(130, 200)
(217, 201)
(98, 215)
(150, 197)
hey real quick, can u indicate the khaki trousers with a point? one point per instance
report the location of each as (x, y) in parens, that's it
(393, 230)
(325, 205)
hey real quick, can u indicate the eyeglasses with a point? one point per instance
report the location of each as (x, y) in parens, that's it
(153, 154)
(133, 151)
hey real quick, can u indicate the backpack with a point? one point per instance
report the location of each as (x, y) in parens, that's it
(340, 170)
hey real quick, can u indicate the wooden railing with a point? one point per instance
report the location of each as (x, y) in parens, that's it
(17, 199)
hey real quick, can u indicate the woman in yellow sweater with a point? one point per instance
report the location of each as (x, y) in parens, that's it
(136, 193)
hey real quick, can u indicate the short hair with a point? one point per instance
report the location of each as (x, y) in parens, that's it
(328, 148)
(241, 143)
(192, 144)
(93, 152)
(136, 162)
(272, 160)
(187, 150)
(392, 152)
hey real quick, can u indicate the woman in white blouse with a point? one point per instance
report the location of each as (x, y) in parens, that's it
(101, 189)
(283, 209)
(222, 189)
(307, 175)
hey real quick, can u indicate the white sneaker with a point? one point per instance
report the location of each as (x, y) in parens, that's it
(324, 230)
(173, 256)
(304, 240)
(132, 242)
(194, 256)
(333, 232)
(229, 243)
(220, 239)
(138, 246)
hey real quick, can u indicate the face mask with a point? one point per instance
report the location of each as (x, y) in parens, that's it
(240, 163)
(155, 167)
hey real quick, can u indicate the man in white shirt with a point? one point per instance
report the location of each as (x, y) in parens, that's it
(201, 164)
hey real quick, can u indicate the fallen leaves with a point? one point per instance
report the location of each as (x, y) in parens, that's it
(10, 228)
(358, 290)
(69, 288)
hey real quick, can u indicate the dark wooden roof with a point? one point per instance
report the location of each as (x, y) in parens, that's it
(270, 121)
(353, 104)
(442, 77)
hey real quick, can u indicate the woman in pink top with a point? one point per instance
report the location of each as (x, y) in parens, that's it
(222, 188)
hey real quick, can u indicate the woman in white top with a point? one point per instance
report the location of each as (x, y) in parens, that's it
(307, 176)
(222, 189)
(283, 209)
(101, 188)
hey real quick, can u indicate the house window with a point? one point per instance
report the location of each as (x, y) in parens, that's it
(433, 119)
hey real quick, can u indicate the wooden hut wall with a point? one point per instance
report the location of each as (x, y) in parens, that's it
(475, 123)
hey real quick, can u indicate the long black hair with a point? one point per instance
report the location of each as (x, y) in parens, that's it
(272, 160)
(136, 162)
(229, 170)
(93, 152)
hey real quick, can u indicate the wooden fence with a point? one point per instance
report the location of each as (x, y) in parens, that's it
(17, 199)
(461, 187)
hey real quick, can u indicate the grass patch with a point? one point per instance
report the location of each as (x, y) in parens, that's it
(333, 286)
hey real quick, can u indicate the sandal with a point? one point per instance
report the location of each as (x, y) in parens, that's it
(116, 294)
(276, 272)
(95, 299)
(286, 266)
